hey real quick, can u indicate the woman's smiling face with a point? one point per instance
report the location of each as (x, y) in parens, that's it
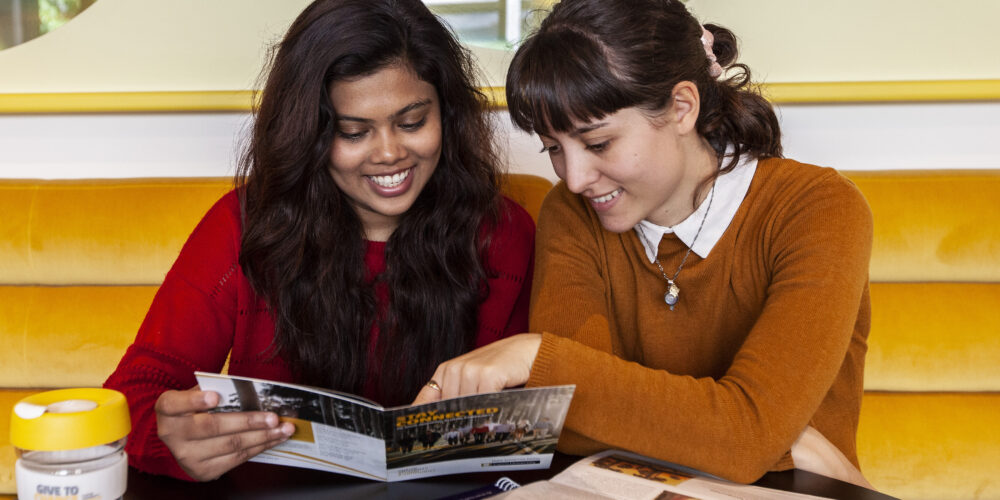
(627, 168)
(386, 145)
(635, 164)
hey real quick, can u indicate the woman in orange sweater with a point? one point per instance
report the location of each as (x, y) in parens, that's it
(708, 298)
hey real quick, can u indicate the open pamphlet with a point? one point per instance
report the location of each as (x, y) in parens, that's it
(615, 474)
(337, 432)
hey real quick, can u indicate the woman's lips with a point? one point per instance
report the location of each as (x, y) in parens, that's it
(605, 201)
(391, 184)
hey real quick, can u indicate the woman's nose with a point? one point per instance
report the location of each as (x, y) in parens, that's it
(387, 149)
(578, 174)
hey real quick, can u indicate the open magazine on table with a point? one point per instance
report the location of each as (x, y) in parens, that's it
(615, 474)
(337, 432)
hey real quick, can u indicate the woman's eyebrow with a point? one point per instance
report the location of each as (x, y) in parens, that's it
(405, 109)
(412, 106)
(588, 128)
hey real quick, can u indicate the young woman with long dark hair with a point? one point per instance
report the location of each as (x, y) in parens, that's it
(366, 242)
(708, 298)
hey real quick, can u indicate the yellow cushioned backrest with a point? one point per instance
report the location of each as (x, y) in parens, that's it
(934, 337)
(126, 231)
(941, 225)
(935, 275)
(527, 190)
(936, 446)
(67, 336)
(8, 398)
(928, 427)
(120, 232)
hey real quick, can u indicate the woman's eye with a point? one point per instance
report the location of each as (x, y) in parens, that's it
(414, 125)
(601, 146)
(550, 149)
(350, 136)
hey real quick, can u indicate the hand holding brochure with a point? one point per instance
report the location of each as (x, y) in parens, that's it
(337, 432)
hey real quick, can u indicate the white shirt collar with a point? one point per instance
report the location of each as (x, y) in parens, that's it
(730, 190)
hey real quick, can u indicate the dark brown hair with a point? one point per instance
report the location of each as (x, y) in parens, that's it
(591, 58)
(302, 245)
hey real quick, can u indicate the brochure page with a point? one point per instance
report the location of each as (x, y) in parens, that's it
(615, 474)
(343, 433)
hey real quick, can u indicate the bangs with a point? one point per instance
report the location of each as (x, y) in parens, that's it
(560, 77)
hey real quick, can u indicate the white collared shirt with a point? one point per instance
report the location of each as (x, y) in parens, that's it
(729, 191)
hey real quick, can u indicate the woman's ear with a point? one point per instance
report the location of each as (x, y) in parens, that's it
(685, 105)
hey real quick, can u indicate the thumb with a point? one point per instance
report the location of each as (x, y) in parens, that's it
(179, 403)
(205, 400)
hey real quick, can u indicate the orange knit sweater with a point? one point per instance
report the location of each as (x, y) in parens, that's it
(769, 335)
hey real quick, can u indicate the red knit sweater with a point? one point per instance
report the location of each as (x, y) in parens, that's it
(205, 310)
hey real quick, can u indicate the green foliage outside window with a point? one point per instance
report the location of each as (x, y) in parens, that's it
(55, 13)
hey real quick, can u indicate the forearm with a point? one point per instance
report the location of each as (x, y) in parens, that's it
(699, 423)
(142, 377)
(180, 335)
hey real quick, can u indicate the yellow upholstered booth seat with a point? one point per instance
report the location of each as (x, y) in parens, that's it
(54, 335)
(934, 225)
(930, 418)
(80, 261)
(934, 337)
(8, 397)
(527, 190)
(108, 232)
(933, 445)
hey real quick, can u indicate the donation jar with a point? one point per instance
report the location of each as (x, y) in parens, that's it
(70, 445)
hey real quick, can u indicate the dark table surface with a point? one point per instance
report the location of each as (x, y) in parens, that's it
(265, 481)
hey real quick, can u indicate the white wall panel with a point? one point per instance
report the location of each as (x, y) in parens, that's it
(848, 137)
(108, 145)
(893, 136)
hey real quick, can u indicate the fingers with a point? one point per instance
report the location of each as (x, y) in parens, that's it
(474, 375)
(209, 425)
(177, 403)
(206, 445)
(217, 455)
(427, 395)
(491, 368)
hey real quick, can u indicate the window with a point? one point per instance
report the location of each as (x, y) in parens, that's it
(23, 20)
(498, 24)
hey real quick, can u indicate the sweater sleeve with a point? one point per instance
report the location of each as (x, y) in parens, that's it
(569, 295)
(188, 327)
(739, 425)
(510, 266)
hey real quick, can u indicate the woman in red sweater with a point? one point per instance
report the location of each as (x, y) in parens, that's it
(365, 243)
(708, 298)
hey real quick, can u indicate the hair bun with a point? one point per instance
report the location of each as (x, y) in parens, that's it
(724, 47)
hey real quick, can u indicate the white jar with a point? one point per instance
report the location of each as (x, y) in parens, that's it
(70, 445)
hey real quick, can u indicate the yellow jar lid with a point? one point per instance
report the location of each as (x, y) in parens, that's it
(69, 419)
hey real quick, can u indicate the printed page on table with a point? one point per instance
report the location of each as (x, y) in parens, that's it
(622, 475)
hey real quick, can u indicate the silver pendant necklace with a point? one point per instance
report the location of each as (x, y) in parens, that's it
(674, 291)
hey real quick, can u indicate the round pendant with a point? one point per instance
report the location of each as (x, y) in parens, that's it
(671, 296)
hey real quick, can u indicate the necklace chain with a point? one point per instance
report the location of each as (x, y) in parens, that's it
(673, 291)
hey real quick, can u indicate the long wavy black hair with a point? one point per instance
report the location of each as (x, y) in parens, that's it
(303, 244)
(591, 58)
